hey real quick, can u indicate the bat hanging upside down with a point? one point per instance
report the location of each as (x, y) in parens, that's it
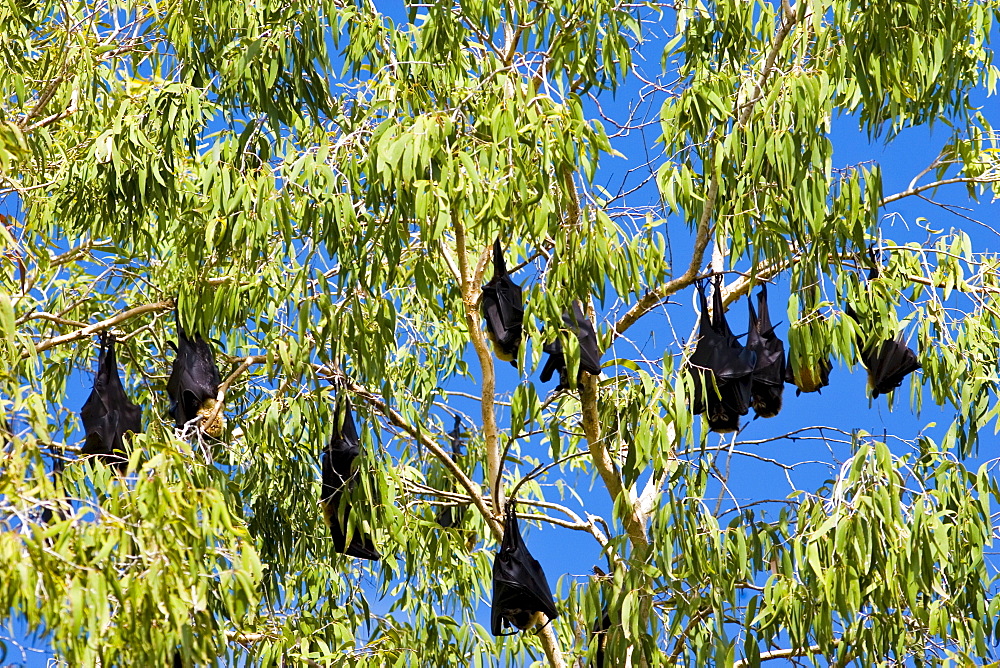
(108, 414)
(503, 308)
(194, 384)
(521, 594)
(340, 476)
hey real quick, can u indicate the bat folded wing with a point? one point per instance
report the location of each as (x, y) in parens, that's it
(503, 308)
(768, 383)
(336, 514)
(890, 365)
(520, 590)
(340, 476)
(721, 368)
(194, 379)
(108, 414)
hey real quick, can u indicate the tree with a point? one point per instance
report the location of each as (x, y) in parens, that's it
(316, 187)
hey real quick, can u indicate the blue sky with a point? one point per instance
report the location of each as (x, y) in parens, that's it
(844, 404)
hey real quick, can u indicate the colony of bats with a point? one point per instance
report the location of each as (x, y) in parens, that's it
(729, 379)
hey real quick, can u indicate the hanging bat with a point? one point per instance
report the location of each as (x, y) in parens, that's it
(503, 308)
(340, 476)
(806, 378)
(194, 383)
(590, 355)
(108, 414)
(722, 368)
(451, 516)
(600, 634)
(58, 508)
(520, 592)
(599, 630)
(888, 363)
(769, 373)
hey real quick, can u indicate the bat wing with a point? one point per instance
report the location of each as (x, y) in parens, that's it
(519, 586)
(193, 378)
(340, 453)
(722, 369)
(361, 547)
(100, 434)
(203, 376)
(556, 361)
(457, 435)
(503, 308)
(95, 409)
(490, 307)
(733, 400)
(338, 477)
(889, 363)
(451, 516)
(740, 365)
(336, 514)
(599, 633)
(446, 518)
(94, 416)
(892, 363)
(108, 413)
(510, 306)
(590, 354)
(701, 362)
(768, 379)
(506, 339)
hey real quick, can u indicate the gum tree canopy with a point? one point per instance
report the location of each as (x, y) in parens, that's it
(315, 188)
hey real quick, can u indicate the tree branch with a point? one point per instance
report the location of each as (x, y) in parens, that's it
(703, 235)
(68, 111)
(220, 396)
(470, 299)
(781, 654)
(551, 645)
(84, 332)
(631, 520)
(421, 437)
(909, 192)
(787, 22)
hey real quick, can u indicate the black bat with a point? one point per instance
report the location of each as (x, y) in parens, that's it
(590, 355)
(340, 476)
(193, 383)
(888, 363)
(450, 516)
(600, 635)
(108, 414)
(58, 508)
(721, 366)
(503, 308)
(520, 591)
(768, 382)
